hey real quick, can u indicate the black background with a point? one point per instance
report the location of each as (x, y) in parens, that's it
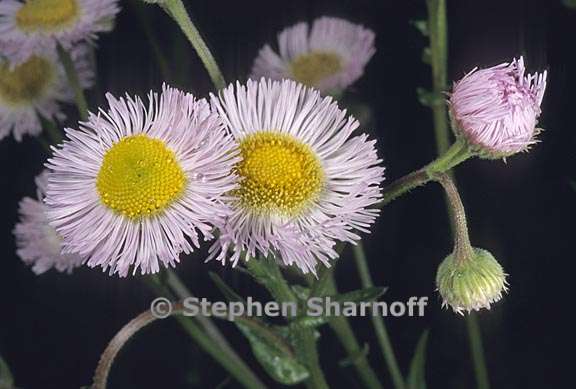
(53, 327)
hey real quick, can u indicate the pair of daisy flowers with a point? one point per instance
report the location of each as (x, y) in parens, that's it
(269, 168)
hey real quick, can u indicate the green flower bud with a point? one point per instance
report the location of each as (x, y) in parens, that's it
(470, 283)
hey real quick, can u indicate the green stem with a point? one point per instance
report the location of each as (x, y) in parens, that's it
(378, 321)
(439, 60)
(239, 371)
(74, 82)
(345, 334)
(268, 274)
(176, 9)
(54, 134)
(152, 40)
(455, 155)
(437, 22)
(477, 351)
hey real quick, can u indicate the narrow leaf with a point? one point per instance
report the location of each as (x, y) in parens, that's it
(6, 379)
(416, 375)
(227, 291)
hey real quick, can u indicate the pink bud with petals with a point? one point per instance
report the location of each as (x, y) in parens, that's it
(496, 109)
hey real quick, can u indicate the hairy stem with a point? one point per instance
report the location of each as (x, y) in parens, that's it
(437, 22)
(176, 9)
(462, 247)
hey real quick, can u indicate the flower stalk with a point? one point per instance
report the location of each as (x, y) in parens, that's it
(177, 10)
(456, 154)
(463, 250)
(378, 321)
(439, 61)
(207, 342)
(74, 81)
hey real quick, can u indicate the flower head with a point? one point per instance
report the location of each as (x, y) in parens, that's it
(38, 243)
(330, 56)
(496, 109)
(471, 283)
(37, 87)
(137, 185)
(30, 27)
(306, 180)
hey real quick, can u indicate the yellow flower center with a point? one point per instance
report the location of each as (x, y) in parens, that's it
(310, 69)
(139, 177)
(279, 173)
(47, 15)
(26, 82)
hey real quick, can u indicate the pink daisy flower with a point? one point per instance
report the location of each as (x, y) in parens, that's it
(307, 179)
(137, 185)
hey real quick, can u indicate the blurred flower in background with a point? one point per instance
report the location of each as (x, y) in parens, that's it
(306, 180)
(32, 27)
(138, 184)
(38, 243)
(36, 88)
(329, 56)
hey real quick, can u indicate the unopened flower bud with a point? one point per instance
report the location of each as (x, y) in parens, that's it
(496, 109)
(472, 283)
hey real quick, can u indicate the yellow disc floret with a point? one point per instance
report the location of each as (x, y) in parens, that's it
(26, 82)
(47, 15)
(310, 69)
(279, 174)
(139, 177)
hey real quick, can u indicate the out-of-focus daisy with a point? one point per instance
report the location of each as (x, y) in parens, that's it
(31, 27)
(37, 88)
(330, 56)
(496, 109)
(38, 243)
(137, 185)
(306, 181)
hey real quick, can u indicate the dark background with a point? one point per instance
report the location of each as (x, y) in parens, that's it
(53, 327)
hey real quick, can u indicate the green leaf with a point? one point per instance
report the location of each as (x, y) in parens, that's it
(428, 98)
(427, 55)
(308, 322)
(569, 3)
(416, 375)
(227, 291)
(351, 359)
(278, 361)
(572, 183)
(269, 347)
(6, 379)
(366, 294)
(422, 26)
(301, 292)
